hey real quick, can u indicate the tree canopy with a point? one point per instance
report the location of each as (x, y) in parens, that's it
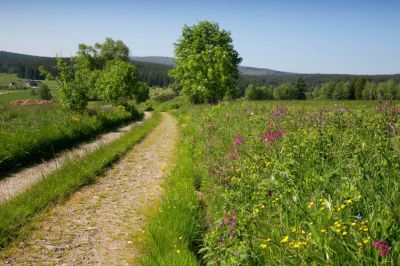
(206, 63)
(118, 82)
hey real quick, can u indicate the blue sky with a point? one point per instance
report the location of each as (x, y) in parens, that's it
(310, 36)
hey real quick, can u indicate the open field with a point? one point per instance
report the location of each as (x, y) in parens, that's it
(285, 182)
(9, 94)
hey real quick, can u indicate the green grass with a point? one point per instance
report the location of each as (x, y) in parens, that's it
(33, 133)
(17, 216)
(174, 229)
(5, 80)
(321, 192)
(17, 95)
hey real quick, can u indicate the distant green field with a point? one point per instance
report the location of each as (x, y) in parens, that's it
(18, 95)
(12, 95)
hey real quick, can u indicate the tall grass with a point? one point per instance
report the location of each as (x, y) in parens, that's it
(17, 214)
(34, 133)
(173, 232)
(300, 183)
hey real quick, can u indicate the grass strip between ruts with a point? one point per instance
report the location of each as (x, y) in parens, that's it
(174, 229)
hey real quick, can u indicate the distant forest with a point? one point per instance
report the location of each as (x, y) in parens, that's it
(27, 67)
(156, 75)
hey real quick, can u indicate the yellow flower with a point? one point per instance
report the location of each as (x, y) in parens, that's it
(285, 239)
(310, 205)
(178, 251)
(359, 244)
(296, 245)
(263, 246)
(293, 230)
(353, 224)
(349, 201)
(323, 230)
(322, 208)
(342, 206)
(344, 233)
(256, 210)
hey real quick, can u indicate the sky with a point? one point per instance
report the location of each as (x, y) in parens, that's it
(302, 36)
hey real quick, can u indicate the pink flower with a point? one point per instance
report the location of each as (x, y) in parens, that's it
(238, 139)
(383, 246)
(278, 113)
(270, 136)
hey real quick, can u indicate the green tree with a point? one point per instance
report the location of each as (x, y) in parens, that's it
(359, 88)
(341, 91)
(258, 93)
(326, 90)
(142, 93)
(72, 94)
(301, 88)
(206, 63)
(44, 92)
(284, 91)
(370, 91)
(117, 83)
(352, 89)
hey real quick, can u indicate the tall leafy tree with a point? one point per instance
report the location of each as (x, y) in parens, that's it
(301, 88)
(284, 91)
(206, 63)
(72, 94)
(118, 82)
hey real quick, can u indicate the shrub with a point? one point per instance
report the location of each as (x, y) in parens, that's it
(44, 92)
(162, 95)
(258, 93)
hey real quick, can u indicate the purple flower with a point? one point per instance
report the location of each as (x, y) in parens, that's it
(270, 136)
(239, 139)
(383, 246)
(278, 113)
(223, 240)
(235, 254)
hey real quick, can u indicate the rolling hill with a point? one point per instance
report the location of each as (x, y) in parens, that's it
(245, 70)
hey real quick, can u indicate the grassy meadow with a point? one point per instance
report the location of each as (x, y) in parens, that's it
(33, 133)
(292, 183)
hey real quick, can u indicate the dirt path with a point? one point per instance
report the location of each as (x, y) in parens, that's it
(94, 226)
(16, 183)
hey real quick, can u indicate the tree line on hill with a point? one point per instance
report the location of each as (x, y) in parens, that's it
(28, 67)
(157, 75)
(356, 89)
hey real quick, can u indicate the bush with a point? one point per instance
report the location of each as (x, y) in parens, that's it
(162, 95)
(44, 92)
(142, 93)
(258, 93)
